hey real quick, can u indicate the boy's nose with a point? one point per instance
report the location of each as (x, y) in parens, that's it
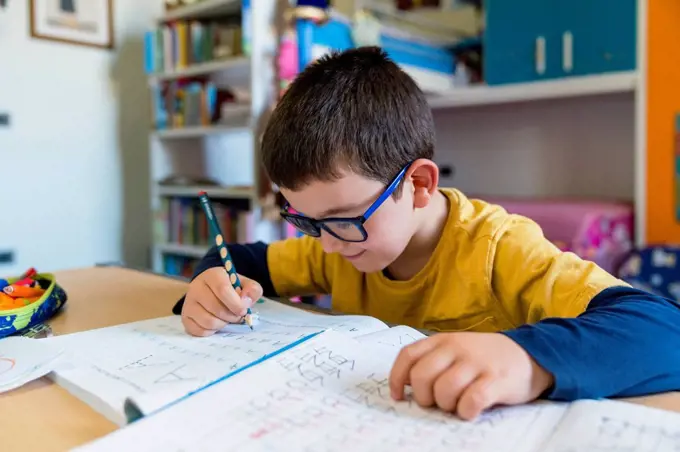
(329, 243)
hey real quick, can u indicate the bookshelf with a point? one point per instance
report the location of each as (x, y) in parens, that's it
(573, 87)
(206, 68)
(211, 73)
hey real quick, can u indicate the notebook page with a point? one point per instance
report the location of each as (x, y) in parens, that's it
(281, 314)
(614, 426)
(325, 395)
(395, 337)
(23, 360)
(158, 361)
(155, 361)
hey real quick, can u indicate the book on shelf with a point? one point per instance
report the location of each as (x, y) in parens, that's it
(181, 44)
(195, 103)
(181, 221)
(182, 266)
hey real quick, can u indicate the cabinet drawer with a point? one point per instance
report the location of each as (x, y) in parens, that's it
(518, 40)
(603, 35)
(529, 40)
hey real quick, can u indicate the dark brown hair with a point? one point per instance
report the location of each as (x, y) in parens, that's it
(354, 110)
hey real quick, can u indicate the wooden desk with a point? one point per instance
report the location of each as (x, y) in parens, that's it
(100, 297)
(97, 297)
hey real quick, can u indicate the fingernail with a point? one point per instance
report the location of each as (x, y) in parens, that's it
(247, 300)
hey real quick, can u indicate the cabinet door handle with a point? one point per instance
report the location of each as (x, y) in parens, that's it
(540, 55)
(567, 51)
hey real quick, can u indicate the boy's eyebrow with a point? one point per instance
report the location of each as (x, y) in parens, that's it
(341, 209)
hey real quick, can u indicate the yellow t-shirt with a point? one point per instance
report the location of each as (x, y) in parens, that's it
(491, 271)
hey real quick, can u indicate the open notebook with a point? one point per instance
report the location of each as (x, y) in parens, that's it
(330, 393)
(136, 368)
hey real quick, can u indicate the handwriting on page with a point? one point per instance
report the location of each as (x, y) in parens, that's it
(617, 427)
(154, 354)
(157, 362)
(326, 395)
(397, 337)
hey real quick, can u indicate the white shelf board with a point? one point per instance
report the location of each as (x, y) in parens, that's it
(193, 132)
(202, 69)
(420, 20)
(182, 250)
(213, 192)
(203, 9)
(525, 92)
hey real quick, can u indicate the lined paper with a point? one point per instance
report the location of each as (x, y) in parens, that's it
(328, 394)
(613, 426)
(156, 361)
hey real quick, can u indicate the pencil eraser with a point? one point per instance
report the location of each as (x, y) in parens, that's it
(201, 193)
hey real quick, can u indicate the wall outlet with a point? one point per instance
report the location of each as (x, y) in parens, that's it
(447, 170)
(6, 257)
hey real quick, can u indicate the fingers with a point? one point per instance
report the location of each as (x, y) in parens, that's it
(212, 302)
(480, 395)
(252, 291)
(407, 358)
(451, 384)
(215, 306)
(427, 371)
(192, 327)
(196, 319)
(218, 282)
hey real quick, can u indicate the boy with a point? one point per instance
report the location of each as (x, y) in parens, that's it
(350, 146)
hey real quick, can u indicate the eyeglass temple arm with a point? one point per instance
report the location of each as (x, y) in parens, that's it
(387, 193)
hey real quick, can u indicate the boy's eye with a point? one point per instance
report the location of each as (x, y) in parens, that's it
(343, 225)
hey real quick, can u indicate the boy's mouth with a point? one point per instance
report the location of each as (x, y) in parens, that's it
(353, 257)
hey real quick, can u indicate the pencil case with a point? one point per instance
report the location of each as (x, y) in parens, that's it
(36, 310)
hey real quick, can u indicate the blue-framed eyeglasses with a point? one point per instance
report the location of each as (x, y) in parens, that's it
(346, 229)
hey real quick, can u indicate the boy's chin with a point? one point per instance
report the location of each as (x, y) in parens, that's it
(366, 265)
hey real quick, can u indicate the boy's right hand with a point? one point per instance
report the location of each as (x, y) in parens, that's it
(211, 302)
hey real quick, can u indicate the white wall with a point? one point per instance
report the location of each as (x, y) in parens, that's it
(79, 125)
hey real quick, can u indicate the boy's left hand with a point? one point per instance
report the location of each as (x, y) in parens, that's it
(467, 373)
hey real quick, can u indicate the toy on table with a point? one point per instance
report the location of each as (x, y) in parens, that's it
(28, 300)
(21, 292)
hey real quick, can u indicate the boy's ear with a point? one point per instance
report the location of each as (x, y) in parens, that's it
(424, 175)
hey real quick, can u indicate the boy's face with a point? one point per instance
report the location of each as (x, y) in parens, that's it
(389, 228)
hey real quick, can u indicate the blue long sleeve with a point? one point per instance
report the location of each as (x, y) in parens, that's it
(626, 343)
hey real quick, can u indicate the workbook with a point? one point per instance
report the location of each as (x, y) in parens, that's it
(129, 370)
(330, 393)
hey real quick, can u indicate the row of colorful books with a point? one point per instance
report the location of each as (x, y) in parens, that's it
(181, 221)
(178, 45)
(179, 104)
(182, 266)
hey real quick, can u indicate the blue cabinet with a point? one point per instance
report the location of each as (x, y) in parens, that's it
(531, 40)
(516, 40)
(601, 36)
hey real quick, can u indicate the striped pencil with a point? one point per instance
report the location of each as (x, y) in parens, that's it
(224, 253)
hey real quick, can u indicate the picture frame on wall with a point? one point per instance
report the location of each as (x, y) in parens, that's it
(81, 22)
